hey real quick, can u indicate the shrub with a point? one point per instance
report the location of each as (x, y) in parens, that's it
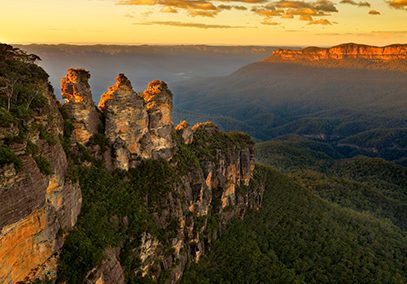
(6, 119)
(8, 157)
(43, 164)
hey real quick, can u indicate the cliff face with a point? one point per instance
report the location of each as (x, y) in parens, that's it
(213, 185)
(38, 204)
(212, 194)
(391, 57)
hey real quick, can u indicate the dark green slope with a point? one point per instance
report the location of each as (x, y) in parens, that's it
(360, 183)
(297, 237)
(295, 152)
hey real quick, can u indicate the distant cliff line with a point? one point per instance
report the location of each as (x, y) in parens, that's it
(350, 55)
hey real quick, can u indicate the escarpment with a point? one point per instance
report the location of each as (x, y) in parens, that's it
(153, 197)
(39, 203)
(391, 57)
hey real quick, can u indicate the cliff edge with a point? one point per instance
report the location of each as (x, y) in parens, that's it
(350, 55)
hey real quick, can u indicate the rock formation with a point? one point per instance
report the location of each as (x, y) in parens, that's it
(126, 123)
(391, 57)
(186, 132)
(138, 126)
(159, 107)
(75, 89)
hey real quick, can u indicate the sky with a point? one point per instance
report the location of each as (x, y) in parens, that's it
(223, 22)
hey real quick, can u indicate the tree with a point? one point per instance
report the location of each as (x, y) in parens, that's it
(32, 96)
(7, 87)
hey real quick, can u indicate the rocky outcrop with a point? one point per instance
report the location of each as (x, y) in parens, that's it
(75, 89)
(37, 208)
(126, 123)
(110, 270)
(185, 131)
(159, 107)
(205, 201)
(138, 126)
(213, 185)
(391, 57)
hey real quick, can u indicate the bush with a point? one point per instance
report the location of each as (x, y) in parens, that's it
(46, 136)
(43, 165)
(8, 157)
(6, 119)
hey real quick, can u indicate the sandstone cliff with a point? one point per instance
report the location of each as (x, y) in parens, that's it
(38, 204)
(391, 57)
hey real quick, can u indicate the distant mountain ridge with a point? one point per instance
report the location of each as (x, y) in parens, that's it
(350, 55)
(144, 63)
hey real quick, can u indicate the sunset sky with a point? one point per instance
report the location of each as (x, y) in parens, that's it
(229, 22)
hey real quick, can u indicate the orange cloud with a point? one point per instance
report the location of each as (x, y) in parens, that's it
(305, 11)
(354, 3)
(320, 22)
(168, 10)
(398, 4)
(191, 25)
(374, 12)
(269, 22)
(193, 7)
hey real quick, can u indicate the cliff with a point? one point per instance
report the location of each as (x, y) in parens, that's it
(152, 197)
(39, 205)
(391, 57)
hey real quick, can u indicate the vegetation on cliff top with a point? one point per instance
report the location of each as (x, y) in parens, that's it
(22, 95)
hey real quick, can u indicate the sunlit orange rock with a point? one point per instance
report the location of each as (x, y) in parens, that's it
(158, 98)
(186, 132)
(391, 57)
(126, 123)
(75, 89)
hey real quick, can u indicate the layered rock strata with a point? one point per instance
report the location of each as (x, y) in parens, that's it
(344, 51)
(391, 57)
(37, 209)
(40, 204)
